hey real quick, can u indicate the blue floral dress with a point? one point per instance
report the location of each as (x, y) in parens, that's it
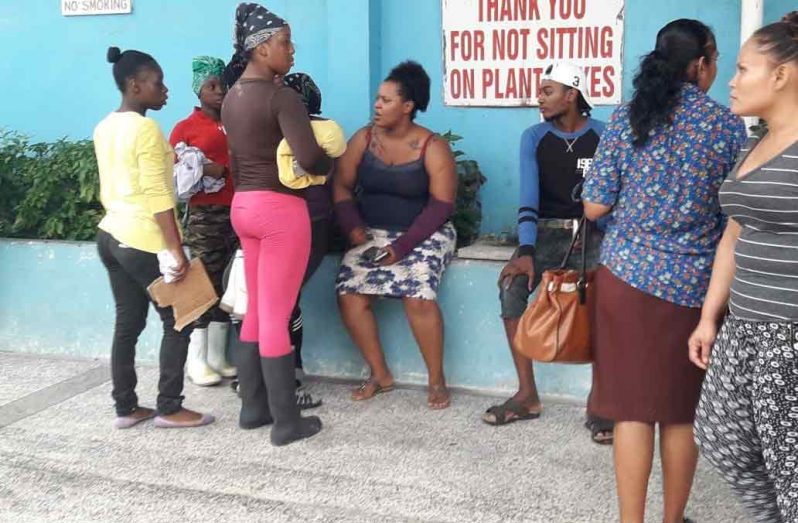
(666, 218)
(417, 275)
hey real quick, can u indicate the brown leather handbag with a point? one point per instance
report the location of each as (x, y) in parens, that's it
(556, 326)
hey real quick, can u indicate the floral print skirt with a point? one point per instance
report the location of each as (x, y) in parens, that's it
(417, 275)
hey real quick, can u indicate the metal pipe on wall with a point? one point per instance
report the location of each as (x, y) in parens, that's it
(752, 13)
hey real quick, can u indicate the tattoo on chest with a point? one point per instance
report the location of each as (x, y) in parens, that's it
(376, 146)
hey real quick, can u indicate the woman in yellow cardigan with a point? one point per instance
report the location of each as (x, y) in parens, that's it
(135, 163)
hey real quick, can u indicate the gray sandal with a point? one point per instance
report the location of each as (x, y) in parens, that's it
(508, 412)
(305, 400)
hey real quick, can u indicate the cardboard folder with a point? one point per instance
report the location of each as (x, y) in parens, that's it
(189, 298)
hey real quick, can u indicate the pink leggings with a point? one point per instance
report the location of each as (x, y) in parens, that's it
(274, 230)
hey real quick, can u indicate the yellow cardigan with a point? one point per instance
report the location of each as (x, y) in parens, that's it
(329, 136)
(135, 163)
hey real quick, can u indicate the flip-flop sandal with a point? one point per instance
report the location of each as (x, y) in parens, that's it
(376, 388)
(601, 430)
(440, 405)
(500, 413)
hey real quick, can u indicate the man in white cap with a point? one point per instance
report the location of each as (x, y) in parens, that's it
(554, 157)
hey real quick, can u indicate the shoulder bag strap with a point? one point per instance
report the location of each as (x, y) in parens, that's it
(581, 285)
(574, 238)
(582, 231)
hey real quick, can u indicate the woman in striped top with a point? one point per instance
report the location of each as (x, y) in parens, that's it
(747, 419)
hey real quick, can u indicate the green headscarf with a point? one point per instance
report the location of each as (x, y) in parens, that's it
(203, 68)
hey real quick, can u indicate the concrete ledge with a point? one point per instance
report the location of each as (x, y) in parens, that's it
(486, 251)
(56, 299)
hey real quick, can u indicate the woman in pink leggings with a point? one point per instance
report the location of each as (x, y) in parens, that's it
(270, 219)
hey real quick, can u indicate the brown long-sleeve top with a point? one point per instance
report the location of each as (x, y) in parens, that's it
(258, 114)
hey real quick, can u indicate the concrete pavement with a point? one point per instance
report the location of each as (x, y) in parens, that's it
(386, 460)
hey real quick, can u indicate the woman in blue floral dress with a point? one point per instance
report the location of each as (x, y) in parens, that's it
(394, 192)
(657, 170)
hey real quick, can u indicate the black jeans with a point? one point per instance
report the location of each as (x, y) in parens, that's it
(131, 271)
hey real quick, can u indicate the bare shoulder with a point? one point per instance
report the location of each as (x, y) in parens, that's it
(360, 138)
(425, 138)
(438, 147)
(359, 141)
(438, 157)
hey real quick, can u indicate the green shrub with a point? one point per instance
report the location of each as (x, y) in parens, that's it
(48, 190)
(467, 217)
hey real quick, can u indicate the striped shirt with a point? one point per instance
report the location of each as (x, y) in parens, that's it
(765, 204)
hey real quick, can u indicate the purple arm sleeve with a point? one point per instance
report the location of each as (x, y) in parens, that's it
(348, 216)
(431, 218)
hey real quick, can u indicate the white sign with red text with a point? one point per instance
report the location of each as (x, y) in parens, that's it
(495, 51)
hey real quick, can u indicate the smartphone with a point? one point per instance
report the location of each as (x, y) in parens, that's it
(374, 255)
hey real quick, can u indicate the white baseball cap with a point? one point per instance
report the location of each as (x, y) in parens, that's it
(569, 75)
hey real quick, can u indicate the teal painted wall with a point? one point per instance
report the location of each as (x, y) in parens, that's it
(56, 299)
(54, 296)
(58, 83)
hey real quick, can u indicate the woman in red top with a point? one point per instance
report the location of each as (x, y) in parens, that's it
(209, 233)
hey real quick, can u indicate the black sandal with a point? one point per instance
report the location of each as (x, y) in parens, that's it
(368, 389)
(601, 430)
(305, 400)
(500, 413)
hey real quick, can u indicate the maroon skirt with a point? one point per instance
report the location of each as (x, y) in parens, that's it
(641, 368)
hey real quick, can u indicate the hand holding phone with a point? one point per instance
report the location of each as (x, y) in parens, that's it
(374, 255)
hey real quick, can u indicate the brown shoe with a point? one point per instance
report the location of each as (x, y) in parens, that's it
(183, 419)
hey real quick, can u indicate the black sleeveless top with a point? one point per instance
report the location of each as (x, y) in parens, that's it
(391, 196)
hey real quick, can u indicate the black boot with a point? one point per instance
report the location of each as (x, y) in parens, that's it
(289, 426)
(254, 398)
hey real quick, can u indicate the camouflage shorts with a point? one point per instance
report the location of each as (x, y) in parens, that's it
(210, 237)
(552, 246)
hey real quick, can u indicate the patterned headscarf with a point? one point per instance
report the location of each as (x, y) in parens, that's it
(203, 68)
(254, 25)
(307, 89)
